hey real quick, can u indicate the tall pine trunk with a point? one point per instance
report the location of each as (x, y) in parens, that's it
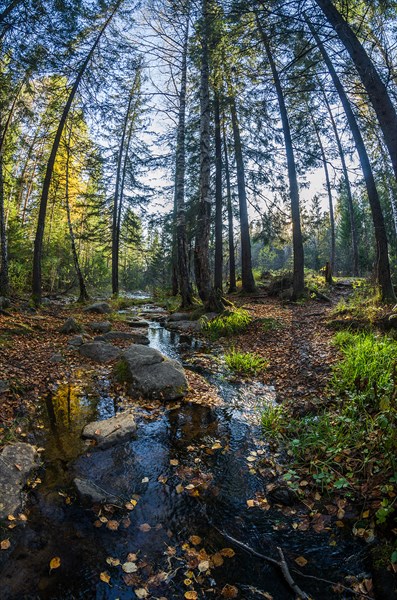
(4, 279)
(374, 86)
(298, 275)
(232, 258)
(383, 264)
(349, 195)
(38, 242)
(181, 264)
(218, 265)
(201, 249)
(83, 297)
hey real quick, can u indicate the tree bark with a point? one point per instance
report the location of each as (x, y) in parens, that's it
(298, 274)
(201, 249)
(218, 266)
(181, 263)
(330, 202)
(349, 195)
(38, 242)
(4, 280)
(375, 88)
(83, 297)
(383, 264)
(232, 259)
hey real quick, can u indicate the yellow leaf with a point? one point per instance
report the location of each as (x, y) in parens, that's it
(216, 446)
(366, 514)
(55, 563)
(301, 561)
(191, 595)
(204, 566)
(5, 544)
(112, 525)
(195, 540)
(113, 562)
(11, 518)
(187, 582)
(145, 527)
(179, 488)
(229, 591)
(174, 462)
(250, 503)
(217, 559)
(228, 552)
(141, 593)
(104, 576)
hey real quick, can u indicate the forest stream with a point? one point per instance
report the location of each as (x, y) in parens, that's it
(185, 483)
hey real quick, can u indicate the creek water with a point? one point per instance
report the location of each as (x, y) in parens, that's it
(186, 471)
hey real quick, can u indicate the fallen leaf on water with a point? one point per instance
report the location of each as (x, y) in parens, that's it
(187, 582)
(191, 595)
(11, 518)
(217, 559)
(22, 517)
(145, 527)
(141, 593)
(112, 525)
(129, 506)
(5, 544)
(251, 459)
(229, 591)
(204, 565)
(216, 446)
(250, 503)
(145, 480)
(104, 576)
(55, 563)
(18, 467)
(195, 540)
(162, 479)
(113, 562)
(129, 567)
(179, 488)
(301, 561)
(132, 557)
(228, 552)
(174, 462)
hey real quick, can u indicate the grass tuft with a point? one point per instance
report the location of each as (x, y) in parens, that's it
(226, 324)
(245, 363)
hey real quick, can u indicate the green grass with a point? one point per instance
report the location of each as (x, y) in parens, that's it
(245, 363)
(226, 324)
(270, 324)
(362, 305)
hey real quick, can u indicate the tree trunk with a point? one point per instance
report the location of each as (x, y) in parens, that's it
(83, 297)
(181, 263)
(375, 88)
(232, 258)
(383, 265)
(330, 203)
(38, 242)
(201, 249)
(349, 195)
(298, 275)
(4, 281)
(218, 267)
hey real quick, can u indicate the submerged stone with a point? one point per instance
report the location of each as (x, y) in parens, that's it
(111, 431)
(89, 489)
(135, 337)
(16, 463)
(151, 375)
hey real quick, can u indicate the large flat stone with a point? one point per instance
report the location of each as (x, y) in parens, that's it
(99, 351)
(111, 431)
(100, 308)
(134, 337)
(16, 463)
(152, 375)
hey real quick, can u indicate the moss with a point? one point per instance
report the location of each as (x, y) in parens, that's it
(120, 372)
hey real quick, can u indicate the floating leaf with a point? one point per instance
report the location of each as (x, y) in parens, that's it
(113, 562)
(145, 480)
(216, 446)
(179, 488)
(55, 563)
(174, 462)
(301, 561)
(204, 565)
(195, 540)
(129, 567)
(191, 595)
(132, 557)
(187, 582)
(112, 525)
(5, 544)
(228, 552)
(251, 459)
(141, 593)
(250, 503)
(229, 591)
(104, 576)
(145, 527)
(217, 559)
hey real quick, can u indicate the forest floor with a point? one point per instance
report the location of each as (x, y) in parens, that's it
(295, 340)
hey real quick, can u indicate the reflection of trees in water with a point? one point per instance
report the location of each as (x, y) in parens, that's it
(191, 422)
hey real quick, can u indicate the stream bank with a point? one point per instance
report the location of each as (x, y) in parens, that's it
(193, 476)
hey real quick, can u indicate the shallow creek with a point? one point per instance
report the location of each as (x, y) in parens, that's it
(186, 474)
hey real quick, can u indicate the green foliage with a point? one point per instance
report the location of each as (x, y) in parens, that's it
(363, 304)
(226, 324)
(245, 363)
(270, 324)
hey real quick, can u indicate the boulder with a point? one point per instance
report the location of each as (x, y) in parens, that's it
(134, 338)
(99, 351)
(185, 326)
(100, 327)
(4, 302)
(76, 341)
(70, 326)
(88, 489)
(142, 323)
(57, 358)
(16, 463)
(179, 317)
(111, 431)
(151, 374)
(100, 308)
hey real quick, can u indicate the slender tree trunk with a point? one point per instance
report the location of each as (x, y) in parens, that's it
(82, 287)
(330, 202)
(180, 245)
(349, 195)
(201, 249)
(375, 88)
(218, 266)
(38, 242)
(232, 258)
(383, 264)
(4, 280)
(298, 275)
